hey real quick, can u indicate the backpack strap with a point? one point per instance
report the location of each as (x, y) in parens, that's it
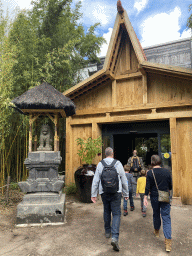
(110, 165)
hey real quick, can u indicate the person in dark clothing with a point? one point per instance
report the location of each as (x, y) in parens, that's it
(130, 181)
(164, 183)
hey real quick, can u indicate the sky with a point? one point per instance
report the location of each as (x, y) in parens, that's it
(154, 21)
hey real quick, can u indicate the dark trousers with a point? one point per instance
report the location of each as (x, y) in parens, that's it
(130, 199)
(112, 204)
(164, 210)
(142, 202)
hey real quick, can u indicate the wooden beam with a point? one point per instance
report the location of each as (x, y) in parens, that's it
(175, 171)
(144, 81)
(56, 137)
(114, 93)
(68, 162)
(100, 81)
(134, 40)
(128, 76)
(112, 42)
(116, 52)
(84, 83)
(30, 132)
(110, 75)
(44, 111)
(147, 106)
(133, 117)
(170, 70)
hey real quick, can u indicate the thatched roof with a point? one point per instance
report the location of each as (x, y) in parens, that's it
(44, 96)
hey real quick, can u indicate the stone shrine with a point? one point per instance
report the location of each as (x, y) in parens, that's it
(44, 202)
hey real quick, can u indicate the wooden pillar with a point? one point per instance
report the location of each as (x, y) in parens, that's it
(69, 155)
(30, 132)
(144, 80)
(175, 172)
(96, 132)
(114, 93)
(56, 137)
(35, 139)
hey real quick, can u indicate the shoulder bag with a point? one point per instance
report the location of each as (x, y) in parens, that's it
(163, 196)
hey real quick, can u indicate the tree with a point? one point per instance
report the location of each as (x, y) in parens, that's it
(52, 45)
(189, 21)
(48, 43)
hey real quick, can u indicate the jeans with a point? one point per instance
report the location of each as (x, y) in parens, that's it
(142, 205)
(112, 204)
(164, 209)
(130, 199)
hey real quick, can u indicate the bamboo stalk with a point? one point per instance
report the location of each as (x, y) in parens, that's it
(17, 163)
(7, 192)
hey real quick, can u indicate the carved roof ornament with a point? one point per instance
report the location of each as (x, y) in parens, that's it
(120, 8)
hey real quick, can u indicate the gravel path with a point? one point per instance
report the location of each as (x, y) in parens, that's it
(83, 233)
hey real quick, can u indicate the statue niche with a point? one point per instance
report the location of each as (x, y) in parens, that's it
(45, 138)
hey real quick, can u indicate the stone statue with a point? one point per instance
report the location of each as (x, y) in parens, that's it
(45, 138)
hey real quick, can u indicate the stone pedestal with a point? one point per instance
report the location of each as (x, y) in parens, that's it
(44, 201)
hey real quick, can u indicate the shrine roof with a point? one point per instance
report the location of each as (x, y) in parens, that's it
(44, 96)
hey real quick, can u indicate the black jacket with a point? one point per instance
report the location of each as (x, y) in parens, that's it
(163, 178)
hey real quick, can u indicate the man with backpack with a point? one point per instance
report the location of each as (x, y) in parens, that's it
(110, 181)
(136, 164)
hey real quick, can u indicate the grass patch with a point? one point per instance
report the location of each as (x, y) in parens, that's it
(71, 189)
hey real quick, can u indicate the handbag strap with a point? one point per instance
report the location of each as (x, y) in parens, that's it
(155, 180)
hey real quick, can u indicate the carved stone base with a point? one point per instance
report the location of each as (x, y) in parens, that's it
(39, 208)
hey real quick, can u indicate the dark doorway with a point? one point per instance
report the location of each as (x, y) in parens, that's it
(124, 144)
(152, 137)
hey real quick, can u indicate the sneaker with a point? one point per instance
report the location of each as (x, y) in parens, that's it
(107, 235)
(144, 214)
(125, 213)
(115, 245)
(132, 208)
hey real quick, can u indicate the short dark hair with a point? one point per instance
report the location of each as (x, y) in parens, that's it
(155, 160)
(126, 168)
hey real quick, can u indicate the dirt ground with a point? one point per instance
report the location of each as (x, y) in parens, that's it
(83, 233)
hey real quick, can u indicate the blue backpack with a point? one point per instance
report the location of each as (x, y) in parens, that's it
(109, 178)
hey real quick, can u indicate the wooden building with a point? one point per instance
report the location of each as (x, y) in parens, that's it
(129, 98)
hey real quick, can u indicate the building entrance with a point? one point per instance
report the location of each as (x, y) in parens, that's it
(145, 144)
(147, 138)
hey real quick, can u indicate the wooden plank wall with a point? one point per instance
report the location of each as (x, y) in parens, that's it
(129, 92)
(163, 88)
(99, 97)
(73, 161)
(127, 60)
(184, 153)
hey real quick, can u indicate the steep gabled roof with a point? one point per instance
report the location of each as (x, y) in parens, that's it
(123, 33)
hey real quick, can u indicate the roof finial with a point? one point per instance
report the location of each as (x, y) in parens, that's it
(119, 7)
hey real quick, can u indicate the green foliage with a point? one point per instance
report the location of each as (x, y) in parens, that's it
(45, 43)
(89, 149)
(189, 21)
(71, 189)
(14, 186)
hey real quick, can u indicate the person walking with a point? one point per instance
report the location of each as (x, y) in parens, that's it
(141, 183)
(130, 181)
(159, 179)
(136, 164)
(110, 181)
